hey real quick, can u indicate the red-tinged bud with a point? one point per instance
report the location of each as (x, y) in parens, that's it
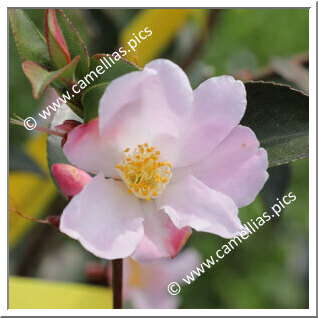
(57, 47)
(54, 220)
(67, 126)
(70, 179)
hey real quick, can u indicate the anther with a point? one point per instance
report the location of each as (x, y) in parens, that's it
(142, 172)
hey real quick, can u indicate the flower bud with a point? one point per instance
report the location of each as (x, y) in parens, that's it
(57, 47)
(67, 126)
(70, 179)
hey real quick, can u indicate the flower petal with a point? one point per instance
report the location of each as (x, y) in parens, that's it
(175, 85)
(144, 106)
(189, 202)
(146, 284)
(85, 149)
(219, 104)
(70, 179)
(236, 167)
(146, 251)
(162, 238)
(182, 265)
(104, 218)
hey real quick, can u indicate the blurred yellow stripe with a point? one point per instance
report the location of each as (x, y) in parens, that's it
(30, 192)
(164, 24)
(31, 293)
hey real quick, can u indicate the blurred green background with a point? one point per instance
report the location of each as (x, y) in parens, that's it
(270, 270)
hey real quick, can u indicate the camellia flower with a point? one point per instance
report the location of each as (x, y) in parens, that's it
(145, 286)
(166, 159)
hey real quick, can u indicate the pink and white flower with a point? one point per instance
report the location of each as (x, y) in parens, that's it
(166, 159)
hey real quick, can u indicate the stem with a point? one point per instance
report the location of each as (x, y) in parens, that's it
(117, 283)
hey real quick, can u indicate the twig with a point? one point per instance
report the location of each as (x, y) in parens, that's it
(30, 218)
(20, 122)
(50, 220)
(117, 283)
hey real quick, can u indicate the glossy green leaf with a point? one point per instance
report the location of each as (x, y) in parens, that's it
(279, 117)
(23, 103)
(109, 70)
(30, 42)
(75, 43)
(90, 100)
(55, 41)
(40, 78)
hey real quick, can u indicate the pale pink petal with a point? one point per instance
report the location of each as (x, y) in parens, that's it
(85, 149)
(189, 202)
(219, 104)
(146, 106)
(182, 265)
(70, 179)
(104, 218)
(146, 251)
(175, 85)
(162, 238)
(146, 285)
(236, 167)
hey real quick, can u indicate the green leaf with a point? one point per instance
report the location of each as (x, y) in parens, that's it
(75, 44)
(23, 103)
(19, 160)
(55, 41)
(115, 70)
(54, 150)
(37, 17)
(30, 42)
(279, 117)
(40, 78)
(90, 100)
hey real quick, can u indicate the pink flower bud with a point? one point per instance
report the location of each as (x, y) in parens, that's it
(70, 179)
(57, 46)
(68, 125)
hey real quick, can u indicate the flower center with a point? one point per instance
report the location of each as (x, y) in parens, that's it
(143, 172)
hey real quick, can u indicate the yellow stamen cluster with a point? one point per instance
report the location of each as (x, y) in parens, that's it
(143, 173)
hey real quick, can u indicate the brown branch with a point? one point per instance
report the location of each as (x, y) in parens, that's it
(117, 283)
(53, 220)
(29, 218)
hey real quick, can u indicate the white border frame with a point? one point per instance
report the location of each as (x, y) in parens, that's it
(312, 165)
